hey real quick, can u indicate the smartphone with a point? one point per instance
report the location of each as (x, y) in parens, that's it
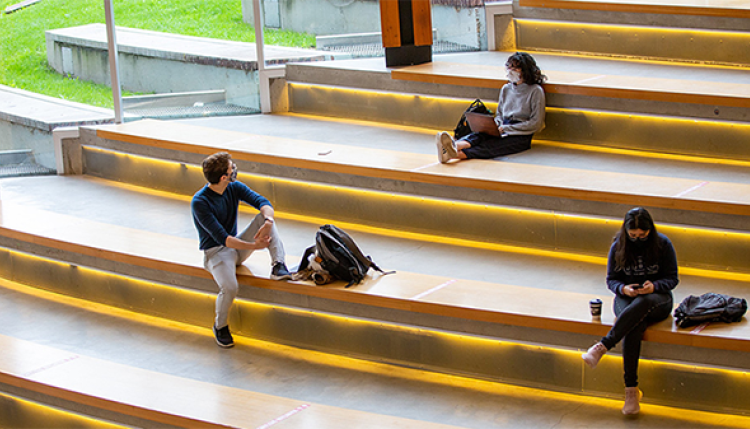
(638, 287)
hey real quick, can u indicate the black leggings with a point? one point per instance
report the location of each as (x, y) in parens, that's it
(485, 146)
(634, 315)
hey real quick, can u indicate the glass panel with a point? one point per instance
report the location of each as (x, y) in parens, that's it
(197, 61)
(345, 28)
(458, 26)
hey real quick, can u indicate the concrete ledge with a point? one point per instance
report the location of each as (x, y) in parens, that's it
(175, 47)
(154, 62)
(47, 113)
(27, 121)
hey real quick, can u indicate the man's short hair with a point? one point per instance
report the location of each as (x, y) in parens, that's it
(215, 166)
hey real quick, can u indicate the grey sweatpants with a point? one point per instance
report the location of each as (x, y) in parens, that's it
(222, 262)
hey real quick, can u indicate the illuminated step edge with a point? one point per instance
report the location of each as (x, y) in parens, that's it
(16, 412)
(646, 132)
(141, 398)
(541, 232)
(695, 45)
(556, 368)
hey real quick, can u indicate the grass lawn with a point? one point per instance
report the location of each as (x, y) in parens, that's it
(23, 50)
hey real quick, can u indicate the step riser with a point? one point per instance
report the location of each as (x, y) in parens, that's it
(718, 47)
(482, 357)
(630, 18)
(16, 412)
(546, 230)
(376, 106)
(725, 140)
(651, 133)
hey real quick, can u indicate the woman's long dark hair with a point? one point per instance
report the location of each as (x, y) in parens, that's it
(530, 72)
(637, 218)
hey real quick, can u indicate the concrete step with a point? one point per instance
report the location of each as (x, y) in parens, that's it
(27, 120)
(588, 83)
(713, 197)
(598, 128)
(176, 298)
(711, 14)
(179, 350)
(493, 223)
(639, 41)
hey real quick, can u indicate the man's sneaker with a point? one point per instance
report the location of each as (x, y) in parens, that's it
(594, 354)
(280, 272)
(446, 147)
(223, 337)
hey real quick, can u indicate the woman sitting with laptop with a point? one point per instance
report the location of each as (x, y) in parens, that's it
(520, 113)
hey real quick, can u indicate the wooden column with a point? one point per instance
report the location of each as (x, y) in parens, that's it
(407, 31)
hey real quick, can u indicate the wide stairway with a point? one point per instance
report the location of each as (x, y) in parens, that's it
(106, 309)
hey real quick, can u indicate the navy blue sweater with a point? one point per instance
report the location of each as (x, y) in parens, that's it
(663, 273)
(215, 216)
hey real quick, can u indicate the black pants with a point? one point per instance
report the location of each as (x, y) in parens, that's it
(634, 315)
(485, 146)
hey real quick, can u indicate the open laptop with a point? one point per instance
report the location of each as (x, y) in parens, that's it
(482, 123)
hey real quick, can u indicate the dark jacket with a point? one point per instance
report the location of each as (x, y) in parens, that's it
(662, 273)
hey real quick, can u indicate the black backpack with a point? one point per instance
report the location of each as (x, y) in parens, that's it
(463, 128)
(340, 256)
(709, 307)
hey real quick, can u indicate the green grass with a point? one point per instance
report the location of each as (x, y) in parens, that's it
(23, 50)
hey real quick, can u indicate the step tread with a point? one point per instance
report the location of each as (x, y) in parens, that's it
(686, 194)
(166, 398)
(721, 89)
(422, 140)
(720, 8)
(420, 293)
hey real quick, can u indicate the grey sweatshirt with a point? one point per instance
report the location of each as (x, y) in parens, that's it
(524, 103)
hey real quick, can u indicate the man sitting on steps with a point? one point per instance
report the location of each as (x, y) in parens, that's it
(215, 209)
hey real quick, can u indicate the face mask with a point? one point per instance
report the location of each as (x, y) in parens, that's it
(514, 76)
(233, 177)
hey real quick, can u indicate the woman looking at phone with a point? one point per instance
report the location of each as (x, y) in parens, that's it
(641, 272)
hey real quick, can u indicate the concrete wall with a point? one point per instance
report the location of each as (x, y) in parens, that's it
(18, 136)
(27, 121)
(154, 75)
(465, 26)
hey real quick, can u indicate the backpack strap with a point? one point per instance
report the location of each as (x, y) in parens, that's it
(342, 236)
(322, 249)
(345, 238)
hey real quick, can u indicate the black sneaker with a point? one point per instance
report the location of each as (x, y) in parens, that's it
(223, 337)
(280, 272)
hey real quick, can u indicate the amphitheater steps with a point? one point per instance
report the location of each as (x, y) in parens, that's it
(95, 201)
(173, 350)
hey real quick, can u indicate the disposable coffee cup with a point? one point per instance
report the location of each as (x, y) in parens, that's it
(596, 307)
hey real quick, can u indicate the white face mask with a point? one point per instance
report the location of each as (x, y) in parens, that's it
(233, 177)
(514, 76)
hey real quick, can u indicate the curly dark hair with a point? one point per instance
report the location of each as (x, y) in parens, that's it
(637, 218)
(530, 72)
(216, 166)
